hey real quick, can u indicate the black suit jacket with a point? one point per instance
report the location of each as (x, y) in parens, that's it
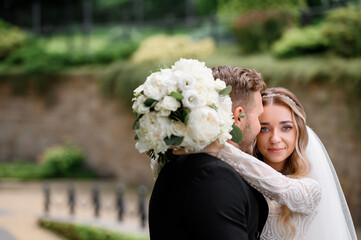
(200, 197)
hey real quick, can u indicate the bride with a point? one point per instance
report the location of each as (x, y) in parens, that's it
(295, 174)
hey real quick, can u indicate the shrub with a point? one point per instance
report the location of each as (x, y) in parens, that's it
(34, 60)
(343, 29)
(257, 30)
(11, 38)
(61, 160)
(299, 41)
(73, 231)
(115, 51)
(228, 10)
(160, 48)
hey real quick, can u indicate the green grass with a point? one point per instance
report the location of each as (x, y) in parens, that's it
(72, 231)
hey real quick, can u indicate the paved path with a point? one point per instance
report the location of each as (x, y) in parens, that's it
(21, 205)
(5, 235)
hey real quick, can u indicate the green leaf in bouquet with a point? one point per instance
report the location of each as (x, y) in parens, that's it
(180, 115)
(150, 102)
(236, 134)
(186, 116)
(176, 95)
(136, 137)
(173, 140)
(176, 115)
(226, 91)
(136, 123)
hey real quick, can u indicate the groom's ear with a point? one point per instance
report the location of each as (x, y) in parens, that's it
(238, 116)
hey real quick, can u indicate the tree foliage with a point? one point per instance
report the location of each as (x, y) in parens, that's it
(228, 10)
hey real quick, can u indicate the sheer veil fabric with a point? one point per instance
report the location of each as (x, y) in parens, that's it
(333, 219)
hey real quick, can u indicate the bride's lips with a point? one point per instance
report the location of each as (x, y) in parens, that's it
(275, 150)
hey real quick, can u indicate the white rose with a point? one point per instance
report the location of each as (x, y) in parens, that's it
(178, 128)
(169, 79)
(191, 99)
(219, 84)
(168, 76)
(170, 103)
(153, 87)
(164, 112)
(138, 105)
(203, 125)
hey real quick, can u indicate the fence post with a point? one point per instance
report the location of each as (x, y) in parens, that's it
(46, 190)
(71, 198)
(120, 201)
(96, 199)
(142, 193)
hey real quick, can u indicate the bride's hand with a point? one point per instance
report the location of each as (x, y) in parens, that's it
(212, 149)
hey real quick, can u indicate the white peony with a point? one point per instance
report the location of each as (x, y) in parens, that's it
(169, 79)
(153, 87)
(203, 126)
(191, 99)
(197, 69)
(153, 129)
(178, 128)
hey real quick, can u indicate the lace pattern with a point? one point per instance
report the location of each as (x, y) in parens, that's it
(301, 195)
(272, 230)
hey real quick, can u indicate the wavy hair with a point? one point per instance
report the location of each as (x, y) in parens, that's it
(297, 165)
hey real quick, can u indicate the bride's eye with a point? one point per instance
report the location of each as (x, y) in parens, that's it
(287, 128)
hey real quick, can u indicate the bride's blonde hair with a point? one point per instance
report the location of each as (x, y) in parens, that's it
(297, 164)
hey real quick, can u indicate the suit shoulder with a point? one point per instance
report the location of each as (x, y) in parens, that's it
(210, 166)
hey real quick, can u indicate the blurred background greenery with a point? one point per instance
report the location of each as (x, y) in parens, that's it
(68, 69)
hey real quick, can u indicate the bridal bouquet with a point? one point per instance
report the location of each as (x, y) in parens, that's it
(182, 106)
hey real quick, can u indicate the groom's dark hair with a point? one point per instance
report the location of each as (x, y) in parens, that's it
(243, 81)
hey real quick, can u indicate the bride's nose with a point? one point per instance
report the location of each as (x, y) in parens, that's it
(275, 137)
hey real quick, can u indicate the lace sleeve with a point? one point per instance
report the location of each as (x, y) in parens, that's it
(299, 195)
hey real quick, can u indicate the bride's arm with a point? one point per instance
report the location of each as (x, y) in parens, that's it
(299, 195)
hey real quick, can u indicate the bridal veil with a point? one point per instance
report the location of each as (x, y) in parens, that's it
(333, 219)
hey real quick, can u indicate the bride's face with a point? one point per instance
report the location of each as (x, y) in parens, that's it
(277, 138)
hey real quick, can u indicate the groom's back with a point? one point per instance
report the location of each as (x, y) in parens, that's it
(201, 197)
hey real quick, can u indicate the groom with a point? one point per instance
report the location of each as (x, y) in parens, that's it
(200, 197)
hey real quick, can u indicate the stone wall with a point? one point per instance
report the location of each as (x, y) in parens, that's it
(77, 111)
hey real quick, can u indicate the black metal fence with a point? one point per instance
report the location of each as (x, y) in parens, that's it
(94, 203)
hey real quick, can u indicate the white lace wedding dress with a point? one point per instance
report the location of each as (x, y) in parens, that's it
(301, 195)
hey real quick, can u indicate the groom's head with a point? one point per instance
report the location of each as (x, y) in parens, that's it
(247, 85)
